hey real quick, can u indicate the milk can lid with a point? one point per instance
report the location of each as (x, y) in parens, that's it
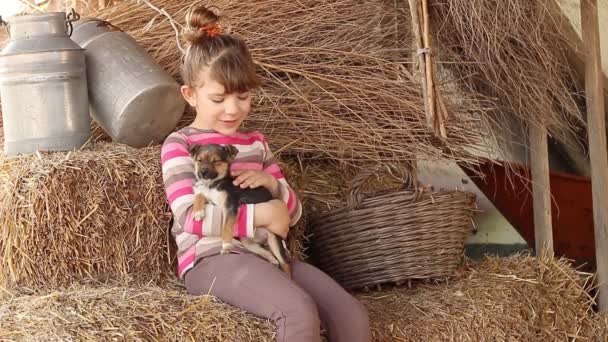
(39, 33)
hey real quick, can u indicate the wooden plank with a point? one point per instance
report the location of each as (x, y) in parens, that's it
(541, 191)
(596, 125)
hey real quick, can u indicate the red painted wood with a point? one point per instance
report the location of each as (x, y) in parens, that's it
(571, 209)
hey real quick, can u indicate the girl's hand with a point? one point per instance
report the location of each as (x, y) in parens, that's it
(255, 178)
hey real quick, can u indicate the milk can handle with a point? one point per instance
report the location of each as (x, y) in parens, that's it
(70, 18)
(4, 23)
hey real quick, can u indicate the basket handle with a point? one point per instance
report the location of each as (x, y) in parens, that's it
(400, 172)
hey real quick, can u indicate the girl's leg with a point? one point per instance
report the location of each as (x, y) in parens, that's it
(254, 285)
(344, 317)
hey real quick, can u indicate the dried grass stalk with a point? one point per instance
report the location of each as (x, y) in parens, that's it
(1, 131)
(512, 52)
(334, 83)
(513, 299)
(97, 213)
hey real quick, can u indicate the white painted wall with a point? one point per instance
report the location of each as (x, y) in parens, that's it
(572, 10)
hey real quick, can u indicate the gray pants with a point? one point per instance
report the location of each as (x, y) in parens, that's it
(297, 307)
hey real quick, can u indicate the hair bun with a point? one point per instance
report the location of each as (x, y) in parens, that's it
(202, 23)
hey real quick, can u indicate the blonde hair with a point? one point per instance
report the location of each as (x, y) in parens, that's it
(227, 56)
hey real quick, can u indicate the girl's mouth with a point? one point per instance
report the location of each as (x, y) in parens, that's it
(230, 122)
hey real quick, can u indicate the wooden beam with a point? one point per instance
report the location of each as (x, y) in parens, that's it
(541, 191)
(596, 125)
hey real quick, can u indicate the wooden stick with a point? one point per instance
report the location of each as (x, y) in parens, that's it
(596, 125)
(429, 66)
(414, 6)
(102, 4)
(442, 111)
(541, 191)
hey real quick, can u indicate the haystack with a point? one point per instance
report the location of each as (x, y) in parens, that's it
(514, 53)
(514, 299)
(334, 82)
(97, 213)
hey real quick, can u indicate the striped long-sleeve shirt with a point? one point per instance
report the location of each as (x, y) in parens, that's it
(195, 239)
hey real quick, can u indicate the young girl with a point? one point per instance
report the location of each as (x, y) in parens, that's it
(219, 75)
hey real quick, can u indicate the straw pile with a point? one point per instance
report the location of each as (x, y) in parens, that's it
(512, 52)
(334, 80)
(514, 299)
(97, 213)
(127, 314)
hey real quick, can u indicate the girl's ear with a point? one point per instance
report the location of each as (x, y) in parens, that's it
(189, 95)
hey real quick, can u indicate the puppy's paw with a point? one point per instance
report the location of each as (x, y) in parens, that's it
(199, 214)
(226, 248)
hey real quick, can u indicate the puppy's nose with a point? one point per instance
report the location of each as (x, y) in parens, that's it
(206, 173)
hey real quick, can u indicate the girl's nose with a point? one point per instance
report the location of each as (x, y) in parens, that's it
(231, 107)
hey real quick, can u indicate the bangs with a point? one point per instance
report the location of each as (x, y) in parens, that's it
(235, 70)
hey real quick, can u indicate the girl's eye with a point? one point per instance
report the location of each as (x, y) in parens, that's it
(217, 100)
(244, 96)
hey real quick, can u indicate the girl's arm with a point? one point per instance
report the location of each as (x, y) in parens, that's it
(285, 192)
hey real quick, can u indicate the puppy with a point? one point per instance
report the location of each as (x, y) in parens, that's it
(215, 185)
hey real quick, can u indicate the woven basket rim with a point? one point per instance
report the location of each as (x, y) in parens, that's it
(418, 193)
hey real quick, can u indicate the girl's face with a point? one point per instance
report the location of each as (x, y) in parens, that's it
(215, 109)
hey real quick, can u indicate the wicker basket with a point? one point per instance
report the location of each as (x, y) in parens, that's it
(393, 235)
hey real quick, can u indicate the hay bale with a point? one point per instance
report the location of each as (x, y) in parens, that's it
(333, 74)
(99, 213)
(126, 314)
(513, 299)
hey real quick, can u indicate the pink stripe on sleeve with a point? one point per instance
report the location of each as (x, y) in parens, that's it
(173, 154)
(173, 147)
(246, 166)
(180, 184)
(240, 226)
(179, 193)
(274, 169)
(222, 140)
(186, 259)
(193, 226)
(291, 202)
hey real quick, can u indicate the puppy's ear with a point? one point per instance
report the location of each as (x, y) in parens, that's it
(231, 152)
(194, 150)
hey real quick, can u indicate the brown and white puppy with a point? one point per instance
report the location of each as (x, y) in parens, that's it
(215, 185)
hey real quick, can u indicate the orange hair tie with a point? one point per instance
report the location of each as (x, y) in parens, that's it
(211, 30)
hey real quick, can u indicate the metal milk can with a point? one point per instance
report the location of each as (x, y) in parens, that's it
(132, 98)
(43, 86)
